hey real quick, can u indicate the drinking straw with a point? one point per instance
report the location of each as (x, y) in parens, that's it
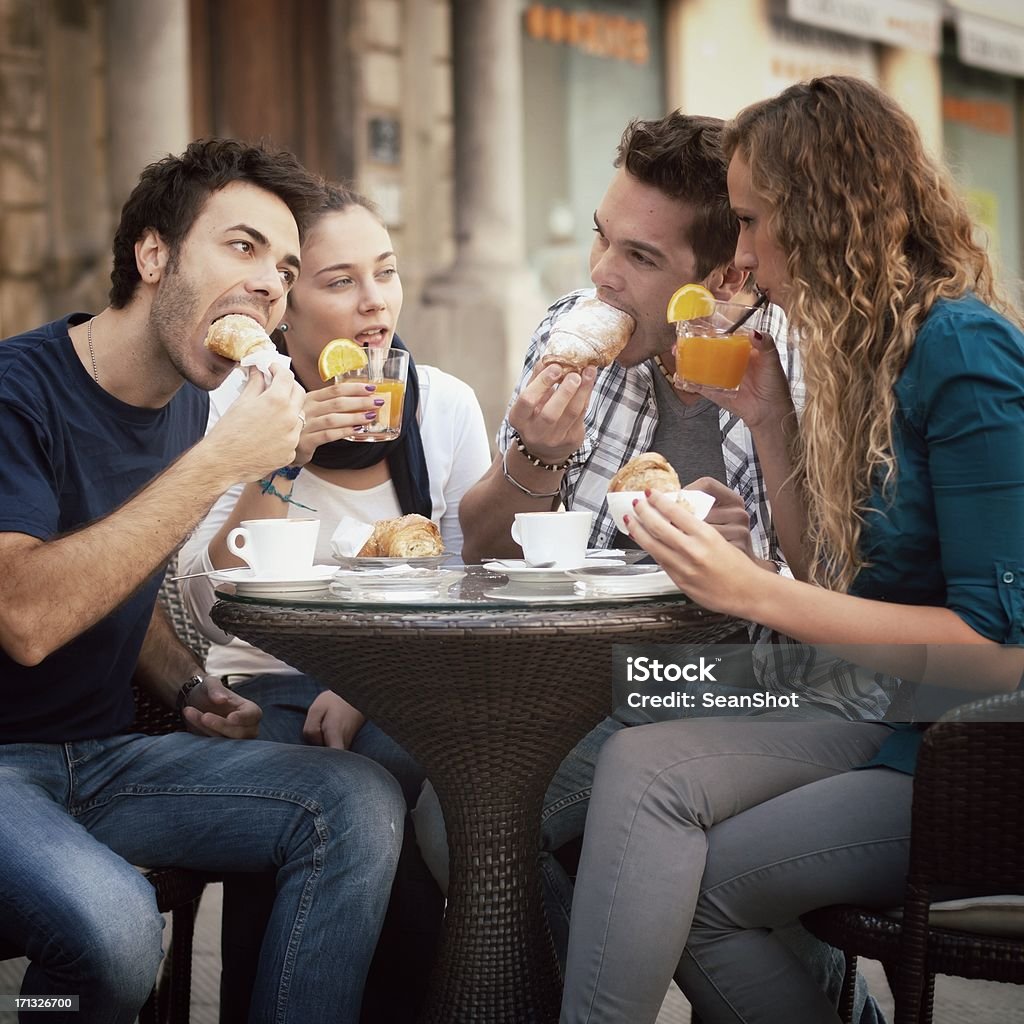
(762, 299)
(375, 359)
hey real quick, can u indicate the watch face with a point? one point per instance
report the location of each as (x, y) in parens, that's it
(194, 680)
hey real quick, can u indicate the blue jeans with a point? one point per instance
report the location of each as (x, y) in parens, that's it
(412, 927)
(77, 816)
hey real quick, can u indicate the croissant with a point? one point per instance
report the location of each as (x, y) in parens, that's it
(592, 333)
(650, 472)
(235, 336)
(411, 536)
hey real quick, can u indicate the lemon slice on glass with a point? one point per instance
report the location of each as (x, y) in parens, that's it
(340, 356)
(689, 302)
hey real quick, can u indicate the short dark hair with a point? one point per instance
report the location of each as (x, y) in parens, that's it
(335, 197)
(171, 194)
(681, 155)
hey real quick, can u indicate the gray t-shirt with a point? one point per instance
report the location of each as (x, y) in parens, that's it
(689, 436)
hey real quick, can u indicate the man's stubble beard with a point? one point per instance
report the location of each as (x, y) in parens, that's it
(172, 316)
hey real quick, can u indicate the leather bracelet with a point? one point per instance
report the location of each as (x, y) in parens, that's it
(519, 487)
(194, 680)
(551, 467)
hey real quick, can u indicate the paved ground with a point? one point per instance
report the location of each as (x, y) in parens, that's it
(957, 1001)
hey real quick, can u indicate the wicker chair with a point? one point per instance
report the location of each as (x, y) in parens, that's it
(178, 890)
(967, 833)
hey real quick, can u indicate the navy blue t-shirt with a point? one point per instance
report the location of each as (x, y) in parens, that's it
(70, 453)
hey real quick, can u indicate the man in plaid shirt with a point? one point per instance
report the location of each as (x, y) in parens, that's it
(665, 220)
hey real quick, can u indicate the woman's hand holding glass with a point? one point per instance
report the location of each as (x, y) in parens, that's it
(334, 412)
(763, 396)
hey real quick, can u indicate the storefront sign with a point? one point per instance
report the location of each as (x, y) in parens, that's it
(599, 35)
(799, 52)
(993, 45)
(989, 116)
(1010, 11)
(912, 24)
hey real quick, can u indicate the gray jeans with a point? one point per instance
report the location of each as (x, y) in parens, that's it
(562, 821)
(709, 836)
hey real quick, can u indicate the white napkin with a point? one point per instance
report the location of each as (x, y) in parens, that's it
(627, 586)
(349, 536)
(263, 358)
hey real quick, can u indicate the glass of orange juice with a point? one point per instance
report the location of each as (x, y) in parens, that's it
(711, 350)
(387, 370)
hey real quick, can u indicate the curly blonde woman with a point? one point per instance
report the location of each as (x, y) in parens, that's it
(899, 499)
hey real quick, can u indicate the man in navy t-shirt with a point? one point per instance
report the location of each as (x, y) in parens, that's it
(104, 470)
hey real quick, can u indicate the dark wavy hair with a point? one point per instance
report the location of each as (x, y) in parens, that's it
(681, 156)
(171, 194)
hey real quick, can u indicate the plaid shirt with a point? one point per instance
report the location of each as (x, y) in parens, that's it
(620, 423)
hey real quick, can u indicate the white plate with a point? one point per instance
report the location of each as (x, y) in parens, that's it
(364, 562)
(517, 569)
(533, 595)
(248, 583)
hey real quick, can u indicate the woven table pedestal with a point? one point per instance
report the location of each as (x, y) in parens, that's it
(489, 702)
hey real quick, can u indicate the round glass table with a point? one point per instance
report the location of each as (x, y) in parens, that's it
(488, 684)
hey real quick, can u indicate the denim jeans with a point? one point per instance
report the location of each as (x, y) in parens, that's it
(77, 816)
(412, 927)
(564, 816)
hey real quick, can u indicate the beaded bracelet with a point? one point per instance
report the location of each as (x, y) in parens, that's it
(266, 486)
(518, 486)
(555, 467)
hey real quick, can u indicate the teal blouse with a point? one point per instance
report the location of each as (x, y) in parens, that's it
(951, 530)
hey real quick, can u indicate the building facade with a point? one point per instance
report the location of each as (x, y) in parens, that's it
(484, 129)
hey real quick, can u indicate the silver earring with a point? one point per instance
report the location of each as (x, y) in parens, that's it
(283, 328)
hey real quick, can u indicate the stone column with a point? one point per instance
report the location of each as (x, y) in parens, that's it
(150, 95)
(481, 311)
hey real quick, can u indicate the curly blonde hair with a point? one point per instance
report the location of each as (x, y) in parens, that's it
(874, 233)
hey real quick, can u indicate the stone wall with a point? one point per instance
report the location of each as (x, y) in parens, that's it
(24, 164)
(53, 168)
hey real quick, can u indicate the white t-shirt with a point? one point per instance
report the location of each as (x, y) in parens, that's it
(457, 454)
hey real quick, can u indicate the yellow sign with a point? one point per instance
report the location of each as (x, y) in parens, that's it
(984, 208)
(611, 36)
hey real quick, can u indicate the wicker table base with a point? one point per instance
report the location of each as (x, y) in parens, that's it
(489, 702)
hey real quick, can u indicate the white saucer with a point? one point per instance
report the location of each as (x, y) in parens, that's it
(248, 583)
(631, 582)
(517, 569)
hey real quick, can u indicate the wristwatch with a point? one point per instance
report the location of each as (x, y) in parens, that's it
(194, 680)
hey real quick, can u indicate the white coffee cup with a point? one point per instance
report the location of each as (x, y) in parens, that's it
(276, 547)
(557, 537)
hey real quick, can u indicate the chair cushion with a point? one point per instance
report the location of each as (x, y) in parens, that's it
(984, 915)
